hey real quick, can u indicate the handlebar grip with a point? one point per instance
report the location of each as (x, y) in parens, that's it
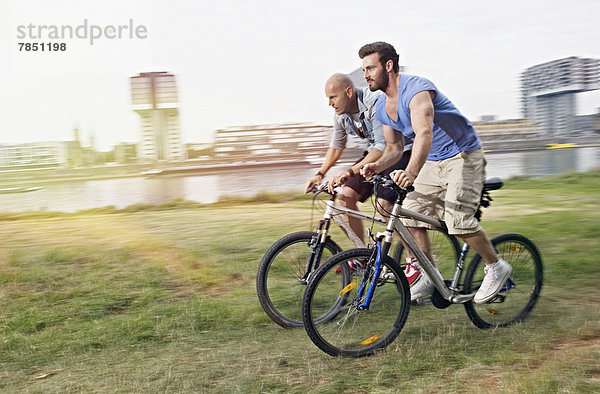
(316, 189)
(388, 182)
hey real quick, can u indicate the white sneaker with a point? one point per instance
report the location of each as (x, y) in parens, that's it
(495, 276)
(420, 292)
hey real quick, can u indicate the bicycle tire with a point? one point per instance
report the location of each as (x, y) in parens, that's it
(349, 331)
(522, 290)
(445, 248)
(278, 282)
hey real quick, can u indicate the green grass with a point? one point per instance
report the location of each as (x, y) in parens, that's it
(162, 299)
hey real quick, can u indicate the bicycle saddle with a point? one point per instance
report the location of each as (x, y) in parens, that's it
(494, 183)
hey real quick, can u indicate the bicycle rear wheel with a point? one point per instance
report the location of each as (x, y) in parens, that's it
(279, 283)
(521, 291)
(350, 330)
(444, 247)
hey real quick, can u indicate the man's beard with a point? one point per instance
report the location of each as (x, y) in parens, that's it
(381, 84)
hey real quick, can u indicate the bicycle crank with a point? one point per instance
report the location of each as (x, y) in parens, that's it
(437, 300)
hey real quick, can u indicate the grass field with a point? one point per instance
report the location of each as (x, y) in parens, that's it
(162, 299)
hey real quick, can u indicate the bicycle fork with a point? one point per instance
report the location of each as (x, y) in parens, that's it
(317, 243)
(383, 242)
(363, 284)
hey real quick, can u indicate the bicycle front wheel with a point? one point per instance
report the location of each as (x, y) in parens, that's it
(354, 329)
(519, 294)
(279, 283)
(444, 247)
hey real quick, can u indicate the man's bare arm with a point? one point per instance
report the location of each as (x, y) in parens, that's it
(371, 157)
(343, 176)
(393, 151)
(331, 157)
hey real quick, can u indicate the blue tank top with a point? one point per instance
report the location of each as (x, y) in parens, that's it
(452, 132)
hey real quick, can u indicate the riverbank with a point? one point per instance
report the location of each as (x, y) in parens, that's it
(55, 175)
(162, 301)
(41, 177)
(70, 195)
(525, 146)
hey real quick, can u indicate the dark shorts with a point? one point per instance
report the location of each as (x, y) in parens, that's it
(365, 189)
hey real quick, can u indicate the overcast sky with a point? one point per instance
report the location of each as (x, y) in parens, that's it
(265, 61)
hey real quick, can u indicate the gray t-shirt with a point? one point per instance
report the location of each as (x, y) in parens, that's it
(364, 124)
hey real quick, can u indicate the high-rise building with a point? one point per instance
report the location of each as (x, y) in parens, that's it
(548, 92)
(154, 98)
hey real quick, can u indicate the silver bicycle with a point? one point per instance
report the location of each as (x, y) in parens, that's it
(357, 314)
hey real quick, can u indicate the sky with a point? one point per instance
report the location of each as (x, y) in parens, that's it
(266, 61)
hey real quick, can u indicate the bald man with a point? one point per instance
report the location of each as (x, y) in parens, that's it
(355, 114)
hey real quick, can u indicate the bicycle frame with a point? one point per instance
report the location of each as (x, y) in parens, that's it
(329, 214)
(448, 293)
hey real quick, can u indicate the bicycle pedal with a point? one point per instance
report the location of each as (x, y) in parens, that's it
(498, 299)
(422, 301)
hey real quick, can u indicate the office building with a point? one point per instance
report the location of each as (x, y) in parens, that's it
(154, 98)
(50, 154)
(508, 134)
(280, 142)
(271, 142)
(126, 152)
(548, 93)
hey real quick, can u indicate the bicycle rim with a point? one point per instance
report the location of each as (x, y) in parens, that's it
(348, 330)
(521, 291)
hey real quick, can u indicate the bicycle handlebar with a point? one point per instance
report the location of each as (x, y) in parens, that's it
(388, 182)
(376, 180)
(316, 189)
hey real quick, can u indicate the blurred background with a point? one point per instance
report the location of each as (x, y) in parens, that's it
(148, 102)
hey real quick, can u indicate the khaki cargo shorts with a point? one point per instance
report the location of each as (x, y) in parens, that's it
(449, 189)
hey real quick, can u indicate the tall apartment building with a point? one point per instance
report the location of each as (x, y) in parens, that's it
(154, 98)
(548, 92)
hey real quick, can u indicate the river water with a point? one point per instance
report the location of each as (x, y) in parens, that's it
(122, 192)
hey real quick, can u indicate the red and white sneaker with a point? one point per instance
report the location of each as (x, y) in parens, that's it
(412, 270)
(356, 266)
